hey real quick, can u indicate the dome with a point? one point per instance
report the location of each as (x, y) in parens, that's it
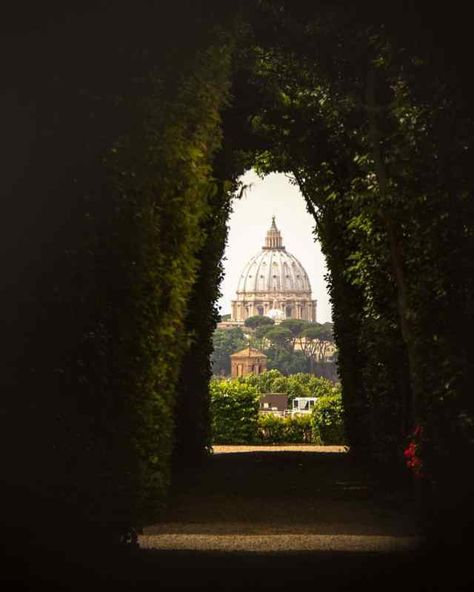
(273, 284)
(273, 269)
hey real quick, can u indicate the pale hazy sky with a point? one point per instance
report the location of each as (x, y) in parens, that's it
(251, 218)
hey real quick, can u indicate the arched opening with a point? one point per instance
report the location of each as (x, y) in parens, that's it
(131, 172)
(269, 227)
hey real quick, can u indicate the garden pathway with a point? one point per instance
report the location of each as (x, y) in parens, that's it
(283, 517)
(279, 518)
(283, 498)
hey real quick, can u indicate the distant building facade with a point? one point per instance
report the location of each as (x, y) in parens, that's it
(273, 284)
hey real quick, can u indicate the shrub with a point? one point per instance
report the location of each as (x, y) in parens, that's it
(327, 419)
(276, 429)
(234, 412)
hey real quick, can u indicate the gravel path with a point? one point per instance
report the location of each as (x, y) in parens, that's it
(276, 499)
(227, 449)
(283, 543)
(273, 518)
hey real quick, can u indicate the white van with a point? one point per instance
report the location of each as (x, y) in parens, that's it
(302, 405)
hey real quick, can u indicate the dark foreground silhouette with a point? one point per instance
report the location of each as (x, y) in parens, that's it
(260, 494)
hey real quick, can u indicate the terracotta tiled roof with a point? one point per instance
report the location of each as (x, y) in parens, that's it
(249, 352)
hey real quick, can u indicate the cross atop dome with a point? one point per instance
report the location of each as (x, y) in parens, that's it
(273, 240)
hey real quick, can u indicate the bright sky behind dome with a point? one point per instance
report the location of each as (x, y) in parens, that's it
(251, 218)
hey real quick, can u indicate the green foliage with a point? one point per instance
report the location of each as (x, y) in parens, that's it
(158, 225)
(327, 420)
(294, 385)
(279, 337)
(296, 326)
(279, 343)
(192, 432)
(262, 382)
(286, 361)
(386, 206)
(316, 331)
(258, 321)
(236, 420)
(276, 429)
(128, 181)
(379, 145)
(261, 331)
(226, 342)
(234, 412)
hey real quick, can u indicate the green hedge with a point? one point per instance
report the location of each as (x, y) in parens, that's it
(327, 420)
(277, 429)
(234, 412)
(161, 172)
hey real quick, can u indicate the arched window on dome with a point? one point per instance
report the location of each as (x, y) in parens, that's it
(260, 310)
(289, 310)
(276, 282)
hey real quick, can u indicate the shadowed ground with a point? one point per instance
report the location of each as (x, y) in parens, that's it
(278, 519)
(285, 492)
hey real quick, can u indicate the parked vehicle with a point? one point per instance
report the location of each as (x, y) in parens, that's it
(302, 405)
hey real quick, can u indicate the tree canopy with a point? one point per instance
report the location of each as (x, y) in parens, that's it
(258, 321)
(225, 343)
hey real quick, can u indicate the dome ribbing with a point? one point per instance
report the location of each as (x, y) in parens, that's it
(273, 269)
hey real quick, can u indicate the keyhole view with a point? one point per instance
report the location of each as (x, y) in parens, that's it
(280, 478)
(237, 295)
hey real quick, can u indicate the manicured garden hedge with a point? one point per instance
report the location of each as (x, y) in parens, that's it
(234, 412)
(277, 429)
(327, 420)
(126, 182)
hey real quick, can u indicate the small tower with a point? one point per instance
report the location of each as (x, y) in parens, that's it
(247, 361)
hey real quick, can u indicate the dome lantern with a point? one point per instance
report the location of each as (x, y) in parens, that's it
(273, 240)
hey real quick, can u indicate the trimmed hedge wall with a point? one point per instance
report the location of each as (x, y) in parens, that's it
(276, 429)
(125, 181)
(327, 420)
(234, 412)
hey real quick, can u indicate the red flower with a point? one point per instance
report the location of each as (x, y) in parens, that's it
(413, 461)
(410, 450)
